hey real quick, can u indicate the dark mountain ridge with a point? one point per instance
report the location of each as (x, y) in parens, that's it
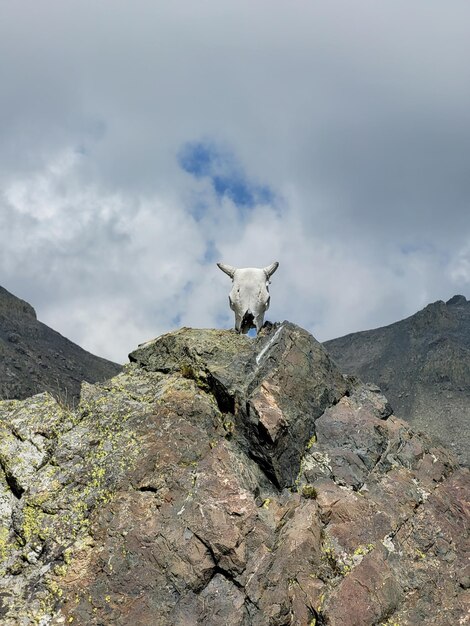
(422, 364)
(34, 358)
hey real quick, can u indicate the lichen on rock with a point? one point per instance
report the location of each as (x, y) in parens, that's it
(223, 479)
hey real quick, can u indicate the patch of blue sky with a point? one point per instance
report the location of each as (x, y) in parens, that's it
(211, 253)
(206, 160)
(198, 209)
(241, 191)
(197, 158)
(176, 320)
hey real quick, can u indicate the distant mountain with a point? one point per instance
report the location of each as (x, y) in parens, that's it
(35, 358)
(422, 364)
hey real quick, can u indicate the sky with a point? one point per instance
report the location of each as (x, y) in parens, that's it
(142, 142)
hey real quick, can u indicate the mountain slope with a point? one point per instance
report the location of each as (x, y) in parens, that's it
(422, 364)
(226, 480)
(35, 358)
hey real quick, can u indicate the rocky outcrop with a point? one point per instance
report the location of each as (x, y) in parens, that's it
(226, 480)
(35, 358)
(422, 364)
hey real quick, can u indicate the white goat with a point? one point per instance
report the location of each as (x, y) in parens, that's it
(249, 298)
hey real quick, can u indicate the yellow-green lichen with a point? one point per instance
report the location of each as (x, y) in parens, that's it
(311, 441)
(341, 562)
(189, 372)
(61, 570)
(309, 491)
(229, 427)
(363, 550)
(5, 545)
(102, 447)
(304, 461)
(67, 556)
(54, 588)
(328, 554)
(31, 527)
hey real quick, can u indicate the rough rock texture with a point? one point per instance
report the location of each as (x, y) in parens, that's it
(226, 480)
(274, 407)
(35, 358)
(422, 364)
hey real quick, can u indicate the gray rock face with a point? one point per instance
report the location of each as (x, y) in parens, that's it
(35, 358)
(225, 480)
(274, 407)
(422, 364)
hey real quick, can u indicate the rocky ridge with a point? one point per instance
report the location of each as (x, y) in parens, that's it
(422, 364)
(226, 480)
(35, 358)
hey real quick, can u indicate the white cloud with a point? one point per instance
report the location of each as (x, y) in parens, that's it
(460, 268)
(356, 117)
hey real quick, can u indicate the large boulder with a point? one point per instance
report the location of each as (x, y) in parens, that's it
(226, 480)
(274, 387)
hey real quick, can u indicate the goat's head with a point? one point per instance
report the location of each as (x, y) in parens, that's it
(249, 298)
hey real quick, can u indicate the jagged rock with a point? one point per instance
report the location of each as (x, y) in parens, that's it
(422, 364)
(226, 480)
(275, 387)
(35, 358)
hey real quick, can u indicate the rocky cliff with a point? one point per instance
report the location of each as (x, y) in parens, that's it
(226, 480)
(35, 358)
(422, 364)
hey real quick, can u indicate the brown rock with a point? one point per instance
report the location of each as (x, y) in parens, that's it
(244, 486)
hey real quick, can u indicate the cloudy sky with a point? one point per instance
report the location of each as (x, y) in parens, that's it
(142, 141)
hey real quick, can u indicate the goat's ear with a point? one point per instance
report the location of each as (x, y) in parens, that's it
(269, 271)
(228, 269)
